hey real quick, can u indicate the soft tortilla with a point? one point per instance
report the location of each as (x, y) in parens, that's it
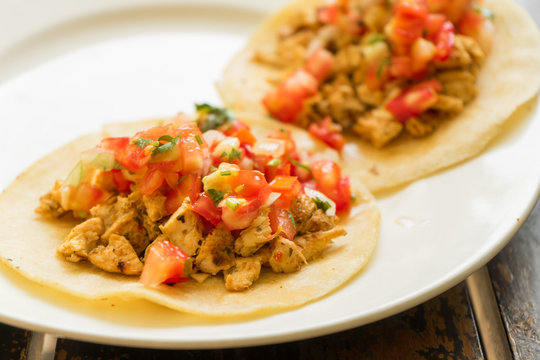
(509, 77)
(28, 244)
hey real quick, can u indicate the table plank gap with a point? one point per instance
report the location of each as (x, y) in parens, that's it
(488, 319)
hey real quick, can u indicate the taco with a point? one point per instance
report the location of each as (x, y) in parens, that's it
(411, 86)
(180, 217)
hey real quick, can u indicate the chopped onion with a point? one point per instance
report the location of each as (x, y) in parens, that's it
(314, 194)
(271, 198)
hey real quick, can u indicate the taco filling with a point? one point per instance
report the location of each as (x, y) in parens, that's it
(377, 69)
(174, 203)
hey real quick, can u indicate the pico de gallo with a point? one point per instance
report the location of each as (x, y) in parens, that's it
(377, 69)
(191, 198)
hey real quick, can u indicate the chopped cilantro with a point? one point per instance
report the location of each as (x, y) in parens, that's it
(142, 142)
(216, 195)
(214, 116)
(274, 162)
(235, 154)
(292, 220)
(232, 203)
(168, 146)
(353, 197)
(282, 130)
(322, 204)
(299, 164)
(199, 140)
(165, 138)
(225, 172)
(376, 38)
(382, 64)
(181, 179)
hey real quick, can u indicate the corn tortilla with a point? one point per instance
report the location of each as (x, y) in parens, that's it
(508, 78)
(28, 244)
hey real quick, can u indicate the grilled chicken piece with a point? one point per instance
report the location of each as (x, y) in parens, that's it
(307, 217)
(81, 240)
(155, 205)
(254, 236)
(313, 245)
(184, 229)
(286, 256)
(242, 274)
(118, 256)
(121, 216)
(49, 204)
(378, 126)
(216, 252)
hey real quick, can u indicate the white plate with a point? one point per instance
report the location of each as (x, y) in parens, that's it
(68, 67)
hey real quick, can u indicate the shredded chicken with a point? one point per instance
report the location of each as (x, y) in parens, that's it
(117, 256)
(81, 240)
(286, 256)
(254, 236)
(49, 204)
(345, 95)
(242, 275)
(312, 245)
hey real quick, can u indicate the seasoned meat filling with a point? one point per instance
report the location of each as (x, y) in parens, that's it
(371, 65)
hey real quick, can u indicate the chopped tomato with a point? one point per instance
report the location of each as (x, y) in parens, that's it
(245, 136)
(434, 23)
(328, 14)
(290, 146)
(411, 8)
(477, 26)
(288, 186)
(165, 263)
(285, 102)
(151, 181)
(129, 155)
(192, 154)
(187, 185)
(82, 197)
(238, 213)
(328, 132)
(320, 64)
(280, 217)
(205, 207)
(249, 184)
(444, 41)
(120, 182)
(328, 180)
(378, 74)
(401, 67)
(414, 100)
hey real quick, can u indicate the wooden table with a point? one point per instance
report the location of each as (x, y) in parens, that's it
(494, 314)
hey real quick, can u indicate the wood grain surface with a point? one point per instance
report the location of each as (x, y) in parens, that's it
(442, 328)
(515, 274)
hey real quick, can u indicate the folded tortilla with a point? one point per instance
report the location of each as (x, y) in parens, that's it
(28, 245)
(509, 77)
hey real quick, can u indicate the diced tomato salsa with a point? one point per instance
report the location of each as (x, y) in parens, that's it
(418, 34)
(227, 174)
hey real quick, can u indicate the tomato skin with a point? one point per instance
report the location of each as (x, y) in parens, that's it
(288, 186)
(280, 217)
(414, 100)
(165, 263)
(249, 184)
(479, 28)
(205, 207)
(151, 181)
(120, 182)
(320, 64)
(285, 102)
(328, 133)
(242, 216)
(328, 180)
(127, 154)
(444, 41)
